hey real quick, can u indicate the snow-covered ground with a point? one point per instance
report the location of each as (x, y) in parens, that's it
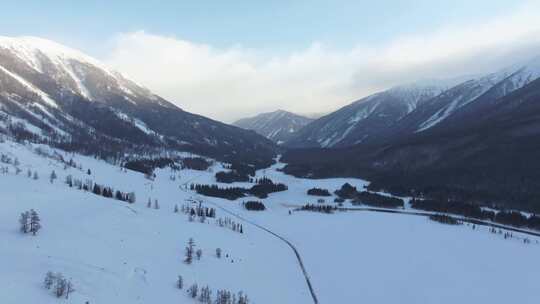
(119, 253)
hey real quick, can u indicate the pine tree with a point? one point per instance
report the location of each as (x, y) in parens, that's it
(175, 208)
(34, 222)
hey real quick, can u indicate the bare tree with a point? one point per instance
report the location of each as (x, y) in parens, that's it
(24, 221)
(49, 280)
(69, 288)
(61, 284)
(193, 290)
(189, 251)
(180, 282)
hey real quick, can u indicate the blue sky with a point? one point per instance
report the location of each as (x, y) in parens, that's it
(271, 25)
(229, 59)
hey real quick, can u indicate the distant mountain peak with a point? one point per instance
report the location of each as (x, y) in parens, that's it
(279, 125)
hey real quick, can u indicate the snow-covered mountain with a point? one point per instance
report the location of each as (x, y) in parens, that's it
(278, 126)
(400, 112)
(477, 141)
(50, 92)
(364, 118)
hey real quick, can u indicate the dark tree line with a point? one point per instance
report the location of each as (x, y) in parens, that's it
(148, 165)
(318, 192)
(239, 172)
(444, 219)
(265, 186)
(229, 223)
(377, 200)
(230, 193)
(195, 163)
(347, 191)
(319, 208)
(101, 190)
(233, 193)
(511, 218)
(231, 177)
(453, 207)
(254, 205)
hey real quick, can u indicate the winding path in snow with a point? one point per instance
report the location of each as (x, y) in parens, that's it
(281, 238)
(291, 245)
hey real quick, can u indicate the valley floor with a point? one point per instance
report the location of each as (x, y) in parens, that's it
(116, 252)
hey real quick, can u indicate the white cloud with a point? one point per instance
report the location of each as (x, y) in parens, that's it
(229, 83)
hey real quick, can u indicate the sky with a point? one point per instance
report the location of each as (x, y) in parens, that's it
(231, 59)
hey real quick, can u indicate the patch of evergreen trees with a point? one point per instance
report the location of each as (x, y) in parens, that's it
(347, 191)
(318, 192)
(238, 173)
(231, 177)
(260, 190)
(147, 166)
(196, 163)
(230, 193)
(254, 205)
(377, 200)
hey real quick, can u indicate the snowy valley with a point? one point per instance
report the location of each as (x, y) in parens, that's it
(115, 251)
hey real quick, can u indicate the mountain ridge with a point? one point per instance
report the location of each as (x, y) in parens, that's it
(73, 100)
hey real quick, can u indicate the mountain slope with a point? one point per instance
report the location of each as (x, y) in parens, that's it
(364, 118)
(488, 157)
(59, 94)
(278, 126)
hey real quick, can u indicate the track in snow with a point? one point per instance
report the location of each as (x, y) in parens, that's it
(283, 239)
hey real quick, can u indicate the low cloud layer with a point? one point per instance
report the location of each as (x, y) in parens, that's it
(234, 82)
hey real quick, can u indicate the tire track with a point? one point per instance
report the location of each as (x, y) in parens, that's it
(283, 239)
